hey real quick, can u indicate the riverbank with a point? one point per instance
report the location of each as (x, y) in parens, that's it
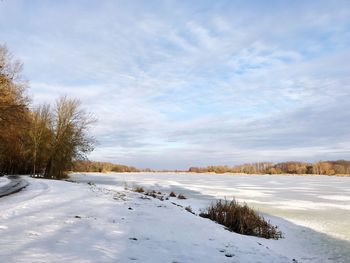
(319, 206)
(58, 221)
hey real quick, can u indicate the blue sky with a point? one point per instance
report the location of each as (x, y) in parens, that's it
(191, 83)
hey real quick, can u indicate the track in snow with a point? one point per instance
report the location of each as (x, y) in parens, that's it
(15, 185)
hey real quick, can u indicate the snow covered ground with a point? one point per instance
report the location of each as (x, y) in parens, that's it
(57, 221)
(319, 202)
(318, 205)
(4, 181)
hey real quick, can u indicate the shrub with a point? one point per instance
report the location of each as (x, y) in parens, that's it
(189, 209)
(138, 189)
(240, 219)
(181, 196)
(151, 193)
(172, 194)
(155, 194)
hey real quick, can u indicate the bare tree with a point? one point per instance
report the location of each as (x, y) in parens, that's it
(13, 102)
(39, 135)
(13, 113)
(70, 136)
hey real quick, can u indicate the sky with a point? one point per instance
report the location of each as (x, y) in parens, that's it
(175, 84)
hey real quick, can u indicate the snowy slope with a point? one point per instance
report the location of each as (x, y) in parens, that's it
(321, 203)
(4, 181)
(301, 241)
(56, 221)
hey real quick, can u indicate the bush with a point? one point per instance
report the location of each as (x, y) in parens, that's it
(151, 193)
(240, 219)
(181, 196)
(138, 189)
(155, 194)
(172, 194)
(189, 209)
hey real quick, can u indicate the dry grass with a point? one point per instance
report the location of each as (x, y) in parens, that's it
(181, 196)
(155, 194)
(241, 219)
(189, 209)
(172, 194)
(138, 189)
(151, 193)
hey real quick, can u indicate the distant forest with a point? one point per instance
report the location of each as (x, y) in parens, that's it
(102, 167)
(340, 167)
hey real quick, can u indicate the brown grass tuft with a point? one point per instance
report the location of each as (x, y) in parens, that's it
(240, 219)
(138, 189)
(181, 196)
(189, 209)
(172, 194)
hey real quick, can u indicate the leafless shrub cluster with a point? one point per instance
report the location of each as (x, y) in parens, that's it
(340, 167)
(155, 194)
(172, 194)
(240, 219)
(138, 189)
(181, 196)
(189, 209)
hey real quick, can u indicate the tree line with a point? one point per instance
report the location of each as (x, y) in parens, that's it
(42, 139)
(101, 167)
(340, 167)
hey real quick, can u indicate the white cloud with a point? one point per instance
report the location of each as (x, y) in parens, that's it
(175, 84)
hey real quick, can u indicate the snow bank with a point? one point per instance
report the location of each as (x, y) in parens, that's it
(57, 221)
(315, 226)
(4, 181)
(319, 202)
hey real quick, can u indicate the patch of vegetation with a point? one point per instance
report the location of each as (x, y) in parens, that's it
(172, 194)
(340, 167)
(181, 196)
(155, 194)
(241, 219)
(38, 140)
(151, 193)
(101, 167)
(189, 209)
(91, 183)
(138, 189)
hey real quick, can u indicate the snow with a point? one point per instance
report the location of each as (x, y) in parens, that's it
(322, 225)
(58, 221)
(319, 202)
(4, 181)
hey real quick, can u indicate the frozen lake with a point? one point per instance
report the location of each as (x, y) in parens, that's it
(320, 203)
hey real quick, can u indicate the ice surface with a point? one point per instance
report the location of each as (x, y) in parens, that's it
(296, 198)
(320, 203)
(57, 221)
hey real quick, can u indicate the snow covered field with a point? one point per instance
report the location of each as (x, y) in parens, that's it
(321, 204)
(57, 221)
